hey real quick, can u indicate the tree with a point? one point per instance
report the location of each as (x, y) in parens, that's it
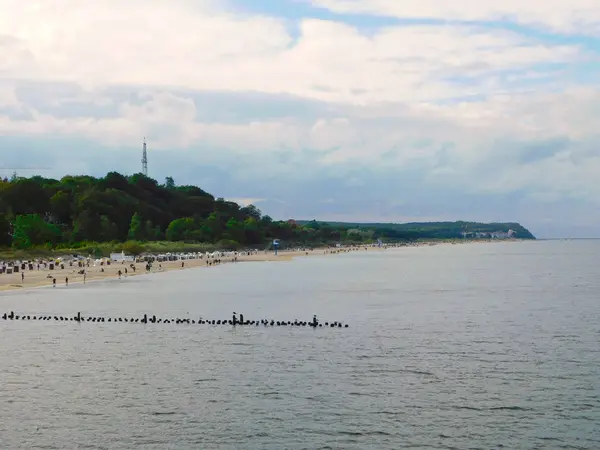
(31, 229)
(136, 231)
(60, 206)
(114, 180)
(179, 229)
(109, 230)
(136, 207)
(252, 211)
(252, 232)
(87, 227)
(213, 227)
(25, 196)
(5, 234)
(235, 230)
(149, 231)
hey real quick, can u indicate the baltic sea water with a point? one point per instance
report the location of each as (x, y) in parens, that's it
(450, 347)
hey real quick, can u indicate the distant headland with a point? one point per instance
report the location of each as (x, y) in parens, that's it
(433, 230)
(136, 214)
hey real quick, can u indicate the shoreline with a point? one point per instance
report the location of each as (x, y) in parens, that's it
(38, 279)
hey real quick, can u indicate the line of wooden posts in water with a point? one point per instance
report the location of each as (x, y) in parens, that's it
(234, 321)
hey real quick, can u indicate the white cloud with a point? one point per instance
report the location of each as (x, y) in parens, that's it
(563, 15)
(380, 99)
(496, 146)
(8, 97)
(165, 43)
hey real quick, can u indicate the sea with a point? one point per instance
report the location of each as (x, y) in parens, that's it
(478, 346)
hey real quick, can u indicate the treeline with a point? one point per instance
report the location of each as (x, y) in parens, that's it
(40, 211)
(76, 210)
(430, 230)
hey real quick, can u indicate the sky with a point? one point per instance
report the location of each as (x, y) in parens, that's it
(357, 110)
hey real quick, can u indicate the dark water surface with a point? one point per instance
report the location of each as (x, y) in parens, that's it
(464, 346)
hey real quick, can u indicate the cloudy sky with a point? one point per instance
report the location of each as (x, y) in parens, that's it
(363, 110)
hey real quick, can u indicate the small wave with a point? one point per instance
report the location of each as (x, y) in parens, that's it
(361, 433)
(391, 413)
(258, 434)
(268, 394)
(509, 408)
(409, 371)
(204, 380)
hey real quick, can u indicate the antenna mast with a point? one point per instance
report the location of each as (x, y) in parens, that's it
(145, 160)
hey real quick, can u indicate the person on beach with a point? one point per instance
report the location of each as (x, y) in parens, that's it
(53, 282)
(119, 273)
(66, 281)
(84, 276)
(22, 277)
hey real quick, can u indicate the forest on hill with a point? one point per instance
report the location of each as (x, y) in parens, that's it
(435, 230)
(76, 210)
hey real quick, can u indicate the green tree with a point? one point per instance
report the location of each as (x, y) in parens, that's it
(60, 206)
(109, 230)
(31, 229)
(252, 232)
(157, 233)
(235, 230)
(252, 211)
(136, 231)
(180, 229)
(136, 207)
(26, 196)
(5, 234)
(87, 226)
(213, 227)
(114, 180)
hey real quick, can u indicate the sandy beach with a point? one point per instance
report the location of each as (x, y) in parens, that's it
(44, 277)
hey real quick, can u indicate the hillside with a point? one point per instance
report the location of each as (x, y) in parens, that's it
(115, 208)
(77, 210)
(433, 230)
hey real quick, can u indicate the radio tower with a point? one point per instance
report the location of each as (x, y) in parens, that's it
(145, 160)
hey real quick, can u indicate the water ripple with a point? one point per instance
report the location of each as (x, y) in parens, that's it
(456, 347)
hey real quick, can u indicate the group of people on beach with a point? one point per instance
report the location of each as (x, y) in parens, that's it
(83, 268)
